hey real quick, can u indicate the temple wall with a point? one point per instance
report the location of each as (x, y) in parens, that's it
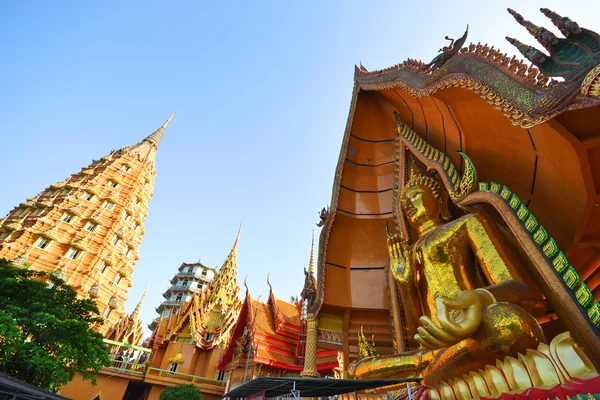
(109, 387)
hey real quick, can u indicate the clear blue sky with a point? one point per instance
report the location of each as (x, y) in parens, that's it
(262, 92)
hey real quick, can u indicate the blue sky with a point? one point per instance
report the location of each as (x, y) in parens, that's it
(262, 91)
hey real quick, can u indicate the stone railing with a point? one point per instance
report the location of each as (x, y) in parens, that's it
(199, 380)
(126, 367)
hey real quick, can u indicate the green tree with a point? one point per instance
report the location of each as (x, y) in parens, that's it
(181, 392)
(45, 330)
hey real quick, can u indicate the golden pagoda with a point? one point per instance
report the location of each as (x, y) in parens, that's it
(87, 228)
(462, 235)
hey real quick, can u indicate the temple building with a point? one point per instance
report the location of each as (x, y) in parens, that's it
(269, 338)
(88, 228)
(190, 279)
(466, 203)
(191, 339)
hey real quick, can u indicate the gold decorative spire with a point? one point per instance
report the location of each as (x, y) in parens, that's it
(237, 238)
(366, 349)
(311, 265)
(155, 137)
(137, 309)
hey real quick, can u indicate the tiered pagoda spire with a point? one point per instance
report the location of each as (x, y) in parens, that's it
(129, 328)
(88, 228)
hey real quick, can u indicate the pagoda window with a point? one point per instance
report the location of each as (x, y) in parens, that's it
(135, 225)
(5, 235)
(20, 212)
(73, 253)
(115, 240)
(87, 196)
(220, 375)
(166, 314)
(68, 217)
(103, 268)
(126, 250)
(38, 211)
(125, 216)
(190, 270)
(43, 243)
(113, 184)
(173, 367)
(209, 337)
(108, 205)
(66, 191)
(203, 272)
(118, 279)
(179, 298)
(125, 168)
(185, 283)
(91, 226)
(107, 313)
(52, 192)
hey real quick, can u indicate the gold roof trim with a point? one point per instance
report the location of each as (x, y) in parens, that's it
(74, 210)
(57, 185)
(96, 218)
(81, 244)
(51, 233)
(14, 226)
(92, 189)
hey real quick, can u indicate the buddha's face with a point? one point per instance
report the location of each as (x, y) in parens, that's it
(420, 205)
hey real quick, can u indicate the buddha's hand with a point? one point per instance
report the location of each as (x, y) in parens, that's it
(399, 257)
(459, 318)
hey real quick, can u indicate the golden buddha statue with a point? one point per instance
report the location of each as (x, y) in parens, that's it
(477, 305)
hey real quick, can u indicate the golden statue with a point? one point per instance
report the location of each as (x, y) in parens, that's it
(476, 305)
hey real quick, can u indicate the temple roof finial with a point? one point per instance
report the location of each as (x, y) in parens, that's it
(269, 283)
(138, 308)
(238, 234)
(311, 264)
(155, 137)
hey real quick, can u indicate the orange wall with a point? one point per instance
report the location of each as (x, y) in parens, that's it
(110, 387)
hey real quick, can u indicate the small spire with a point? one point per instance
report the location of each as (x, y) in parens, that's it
(311, 265)
(155, 137)
(237, 238)
(138, 308)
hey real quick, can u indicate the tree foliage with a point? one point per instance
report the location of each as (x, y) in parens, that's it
(45, 330)
(181, 392)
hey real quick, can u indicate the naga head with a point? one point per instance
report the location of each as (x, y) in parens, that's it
(422, 200)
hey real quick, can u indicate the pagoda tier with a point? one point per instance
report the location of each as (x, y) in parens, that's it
(87, 229)
(190, 279)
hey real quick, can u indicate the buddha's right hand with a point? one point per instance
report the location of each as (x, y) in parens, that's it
(399, 257)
